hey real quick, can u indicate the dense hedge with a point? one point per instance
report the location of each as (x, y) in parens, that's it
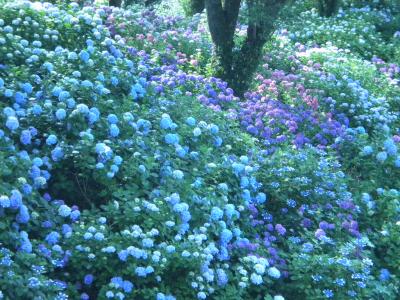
(128, 172)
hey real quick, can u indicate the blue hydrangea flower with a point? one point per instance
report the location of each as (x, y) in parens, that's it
(72, 56)
(328, 293)
(84, 296)
(114, 81)
(64, 210)
(118, 160)
(5, 201)
(63, 95)
(216, 213)
(37, 109)
(26, 137)
(26, 245)
(123, 255)
(191, 121)
(214, 129)
(390, 147)
(185, 253)
(274, 272)
(256, 279)
(114, 130)
(51, 140)
(20, 98)
(230, 210)
(15, 199)
(149, 270)
(33, 282)
(397, 162)
(166, 122)
(127, 286)
(222, 278)
(197, 132)
(148, 243)
(23, 215)
(308, 247)
(84, 56)
(259, 268)
(340, 282)
(61, 114)
(87, 84)
(66, 229)
(57, 153)
(75, 214)
(12, 123)
(114, 168)
(48, 66)
(170, 249)
(88, 279)
(88, 235)
(100, 148)
(56, 91)
(8, 93)
(141, 272)
(261, 198)
(112, 119)
(177, 174)
(384, 275)
(226, 236)
(27, 87)
(171, 138)
(8, 111)
(381, 156)
(180, 151)
(98, 236)
(52, 238)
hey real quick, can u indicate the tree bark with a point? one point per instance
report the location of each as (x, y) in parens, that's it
(148, 3)
(328, 8)
(222, 23)
(262, 24)
(238, 66)
(195, 7)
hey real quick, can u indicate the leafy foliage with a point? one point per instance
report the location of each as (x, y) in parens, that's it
(128, 171)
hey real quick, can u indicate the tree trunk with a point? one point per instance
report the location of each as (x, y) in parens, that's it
(238, 66)
(116, 3)
(222, 23)
(193, 7)
(328, 8)
(150, 2)
(262, 23)
(247, 59)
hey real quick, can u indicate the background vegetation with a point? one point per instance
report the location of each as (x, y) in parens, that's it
(199, 150)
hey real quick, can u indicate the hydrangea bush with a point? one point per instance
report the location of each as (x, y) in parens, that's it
(130, 173)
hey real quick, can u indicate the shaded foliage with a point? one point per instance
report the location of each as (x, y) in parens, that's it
(328, 8)
(236, 63)
(192, 7)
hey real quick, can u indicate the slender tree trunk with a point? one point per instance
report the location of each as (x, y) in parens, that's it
(116, 3)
